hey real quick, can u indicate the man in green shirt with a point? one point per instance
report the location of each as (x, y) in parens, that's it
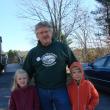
(47, 64)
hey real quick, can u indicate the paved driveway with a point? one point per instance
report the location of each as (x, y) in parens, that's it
(5, 85)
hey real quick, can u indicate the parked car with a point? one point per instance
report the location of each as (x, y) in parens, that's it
(1, 67)
(3, 62)
(99, 72)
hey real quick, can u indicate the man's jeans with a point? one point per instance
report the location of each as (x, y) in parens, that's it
(54, 99)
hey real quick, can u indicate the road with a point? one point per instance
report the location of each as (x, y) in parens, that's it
(5, 85)
(104, 102)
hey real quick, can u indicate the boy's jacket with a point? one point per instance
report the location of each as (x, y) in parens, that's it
(83, 96)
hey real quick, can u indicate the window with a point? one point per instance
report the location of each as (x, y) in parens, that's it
(108, 63)
(100, 62)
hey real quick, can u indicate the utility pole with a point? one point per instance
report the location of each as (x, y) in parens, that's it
(0, 49)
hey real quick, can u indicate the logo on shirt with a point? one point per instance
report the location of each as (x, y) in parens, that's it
(49, 59)
(38, 59)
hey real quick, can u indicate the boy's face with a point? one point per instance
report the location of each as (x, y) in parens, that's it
(76, 73)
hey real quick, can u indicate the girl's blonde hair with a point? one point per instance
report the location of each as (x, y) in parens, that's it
(18, 71)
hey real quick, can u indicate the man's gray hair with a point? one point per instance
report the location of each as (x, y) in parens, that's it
(43, 24)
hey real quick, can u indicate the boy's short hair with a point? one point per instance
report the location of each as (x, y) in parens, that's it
(76, 67)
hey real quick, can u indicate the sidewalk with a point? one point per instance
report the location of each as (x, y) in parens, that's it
(5, 84)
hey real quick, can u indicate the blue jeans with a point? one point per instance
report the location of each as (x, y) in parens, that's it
(54, 99)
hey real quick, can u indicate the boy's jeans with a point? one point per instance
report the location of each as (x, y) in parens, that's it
(54, 99)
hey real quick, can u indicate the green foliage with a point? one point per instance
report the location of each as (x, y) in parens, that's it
(103, 1)
(12, 53)
(62, 38)
(92, 54)
(102, 16)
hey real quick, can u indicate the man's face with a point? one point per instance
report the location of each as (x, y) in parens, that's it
(44, 34)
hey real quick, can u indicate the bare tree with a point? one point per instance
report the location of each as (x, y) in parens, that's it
(91, 44)
(64, 15)
(67, 19)
(83, 35)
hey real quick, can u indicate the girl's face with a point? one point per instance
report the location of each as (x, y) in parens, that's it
(22, 80)
(76, 73)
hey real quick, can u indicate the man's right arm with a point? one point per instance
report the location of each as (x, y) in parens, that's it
(27, 66)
